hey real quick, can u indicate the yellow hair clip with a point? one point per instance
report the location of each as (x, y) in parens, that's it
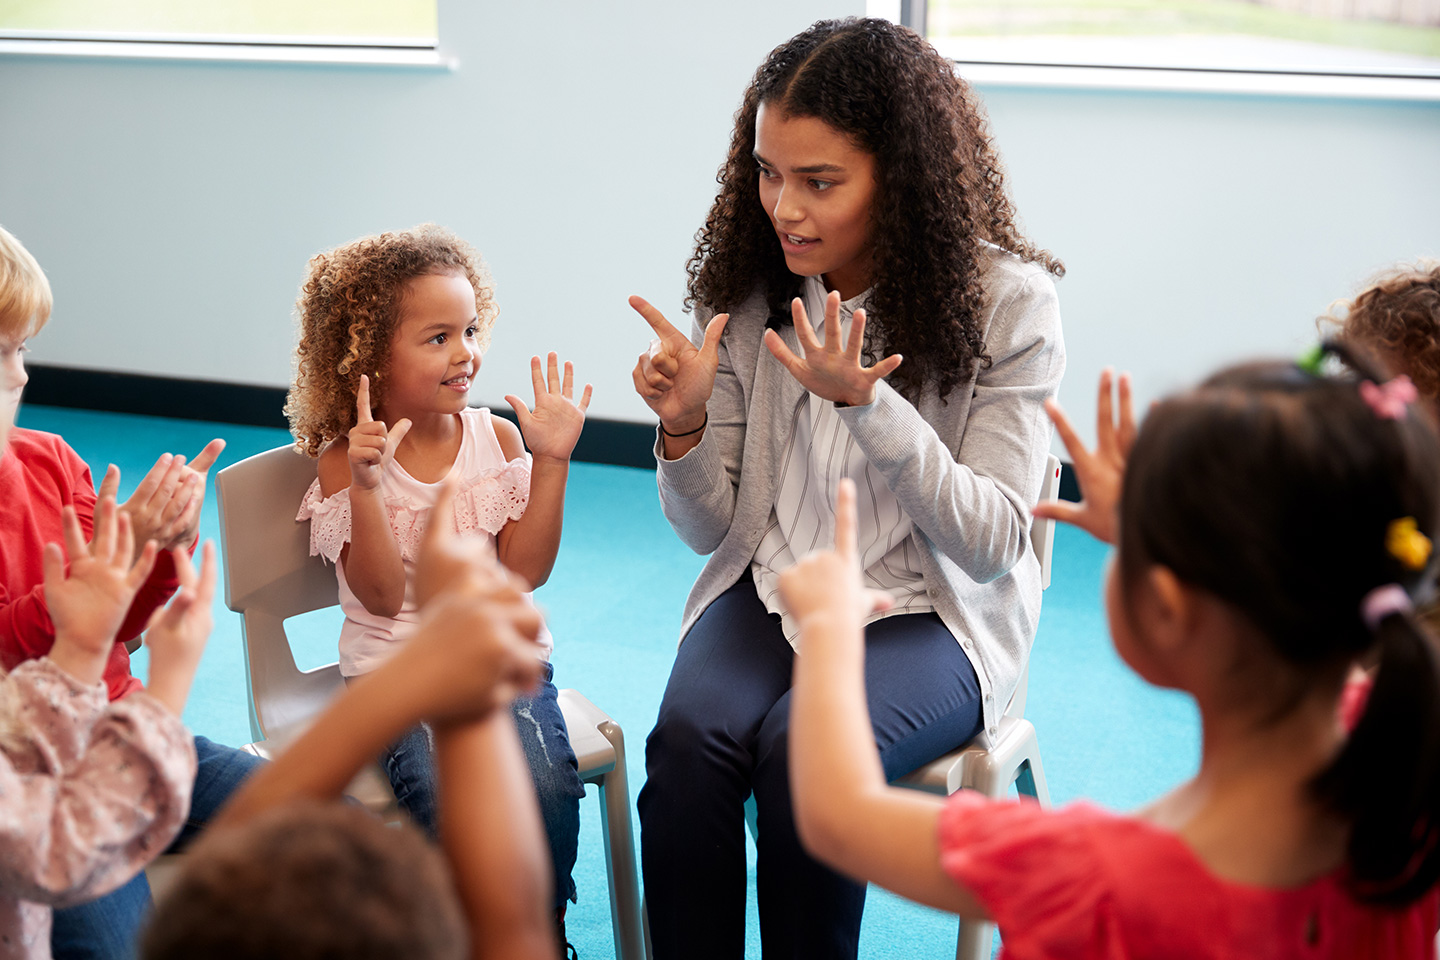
(1407, 544)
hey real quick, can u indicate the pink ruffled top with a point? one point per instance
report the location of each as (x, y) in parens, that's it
(493, 491)
(1080, 882)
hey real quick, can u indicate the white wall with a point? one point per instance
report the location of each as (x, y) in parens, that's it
(175, 204)
(1199, 229)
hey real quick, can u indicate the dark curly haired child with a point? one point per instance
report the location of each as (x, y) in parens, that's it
(861, 189)
(391, 333)
(1397, 319)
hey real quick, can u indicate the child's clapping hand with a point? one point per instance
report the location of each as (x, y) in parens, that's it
(165, 507)
(87, 604)
(827, 582)
(553, 427)
(176, 633)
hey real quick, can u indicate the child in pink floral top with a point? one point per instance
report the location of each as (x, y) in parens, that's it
(392, 329)
(92, 790)
(1272, 525)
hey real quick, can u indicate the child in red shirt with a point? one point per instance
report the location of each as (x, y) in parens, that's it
(1272, 524)
(40, 475)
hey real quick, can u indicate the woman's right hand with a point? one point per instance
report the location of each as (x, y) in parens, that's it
(673, 377)
(371, 445)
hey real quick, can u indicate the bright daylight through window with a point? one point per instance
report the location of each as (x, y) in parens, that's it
(1399, 38)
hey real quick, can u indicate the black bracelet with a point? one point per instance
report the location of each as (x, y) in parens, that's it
(687, 433)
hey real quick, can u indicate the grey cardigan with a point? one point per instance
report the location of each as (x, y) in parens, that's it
(966, 472)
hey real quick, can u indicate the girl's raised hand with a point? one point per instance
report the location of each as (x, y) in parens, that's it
(371, 445)
(827, 582)
(177, 632)
(1100, 472)
(553, 427)
(672, 376)
(87, 604)
(827, 370)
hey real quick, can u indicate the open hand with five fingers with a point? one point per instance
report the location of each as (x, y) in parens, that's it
(674, 377)
(827, 582)
(829, 370)
(553, 427)
(1101, 471)
(177, 632)
(165, 507)
(371, 445)
(475, 648)
(88, 602)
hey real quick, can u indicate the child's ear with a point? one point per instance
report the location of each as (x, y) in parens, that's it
(1174, 609)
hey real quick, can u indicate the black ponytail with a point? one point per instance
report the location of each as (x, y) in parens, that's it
(1386, 779)
(1277, 488)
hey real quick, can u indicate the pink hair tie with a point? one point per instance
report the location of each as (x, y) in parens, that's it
(1390, 398)
(1383, 601)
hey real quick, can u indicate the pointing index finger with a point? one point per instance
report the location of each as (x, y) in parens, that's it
(662, 327)
(362, 401)
(845, 522)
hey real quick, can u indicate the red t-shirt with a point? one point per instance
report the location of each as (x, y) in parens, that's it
(39, 476)
(1080, 882)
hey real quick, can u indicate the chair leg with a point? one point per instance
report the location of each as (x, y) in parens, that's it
(619, 835)
(1030, 781)
(976, 941)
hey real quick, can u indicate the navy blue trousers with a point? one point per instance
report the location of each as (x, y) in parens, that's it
(721, 734)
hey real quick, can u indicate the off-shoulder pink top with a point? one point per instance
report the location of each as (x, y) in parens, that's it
(493, 491)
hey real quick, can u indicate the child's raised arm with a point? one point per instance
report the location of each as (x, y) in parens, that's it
(528, 546)
(373, 567)
(845, 813)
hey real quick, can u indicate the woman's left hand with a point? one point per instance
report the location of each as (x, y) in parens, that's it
(827, 370)
(553, 427)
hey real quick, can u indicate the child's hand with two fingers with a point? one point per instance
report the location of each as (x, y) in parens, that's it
(371, 445)
(177, 632)
(88, 602)
(826, 583)
(1101, 472)
(165, 507)
(476, 647)
(552, 428)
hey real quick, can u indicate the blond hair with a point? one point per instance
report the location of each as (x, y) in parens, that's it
(25, 299)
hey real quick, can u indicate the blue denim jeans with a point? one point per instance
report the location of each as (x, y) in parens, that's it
(107, 928)
(410, 765)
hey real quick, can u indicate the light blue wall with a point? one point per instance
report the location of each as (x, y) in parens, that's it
(175, 204)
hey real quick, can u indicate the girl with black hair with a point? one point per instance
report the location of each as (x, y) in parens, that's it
(1273, 527)
(861, 191)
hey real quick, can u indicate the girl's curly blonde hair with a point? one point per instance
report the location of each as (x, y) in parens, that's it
(1397, 318)
(348, 310)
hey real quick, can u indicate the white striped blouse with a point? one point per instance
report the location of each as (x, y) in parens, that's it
(820, 452)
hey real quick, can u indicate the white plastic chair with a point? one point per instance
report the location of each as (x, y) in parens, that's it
(1014, 755)
(270, 577)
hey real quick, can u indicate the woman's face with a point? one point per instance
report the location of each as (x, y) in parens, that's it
(817, 187)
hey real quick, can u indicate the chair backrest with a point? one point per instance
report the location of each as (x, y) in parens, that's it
(1042, 538)
(270, 576)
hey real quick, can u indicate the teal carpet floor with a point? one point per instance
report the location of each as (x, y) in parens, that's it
(614, 603)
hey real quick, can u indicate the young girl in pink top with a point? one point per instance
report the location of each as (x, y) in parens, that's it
(1272, 525)
(392, 331)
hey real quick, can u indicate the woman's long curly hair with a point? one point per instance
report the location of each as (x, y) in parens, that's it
(348, 310)
(940, 193)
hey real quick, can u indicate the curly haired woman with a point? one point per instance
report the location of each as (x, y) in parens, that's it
(861, 189)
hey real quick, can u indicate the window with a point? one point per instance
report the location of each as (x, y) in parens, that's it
(1376, 38)
(406, 28)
